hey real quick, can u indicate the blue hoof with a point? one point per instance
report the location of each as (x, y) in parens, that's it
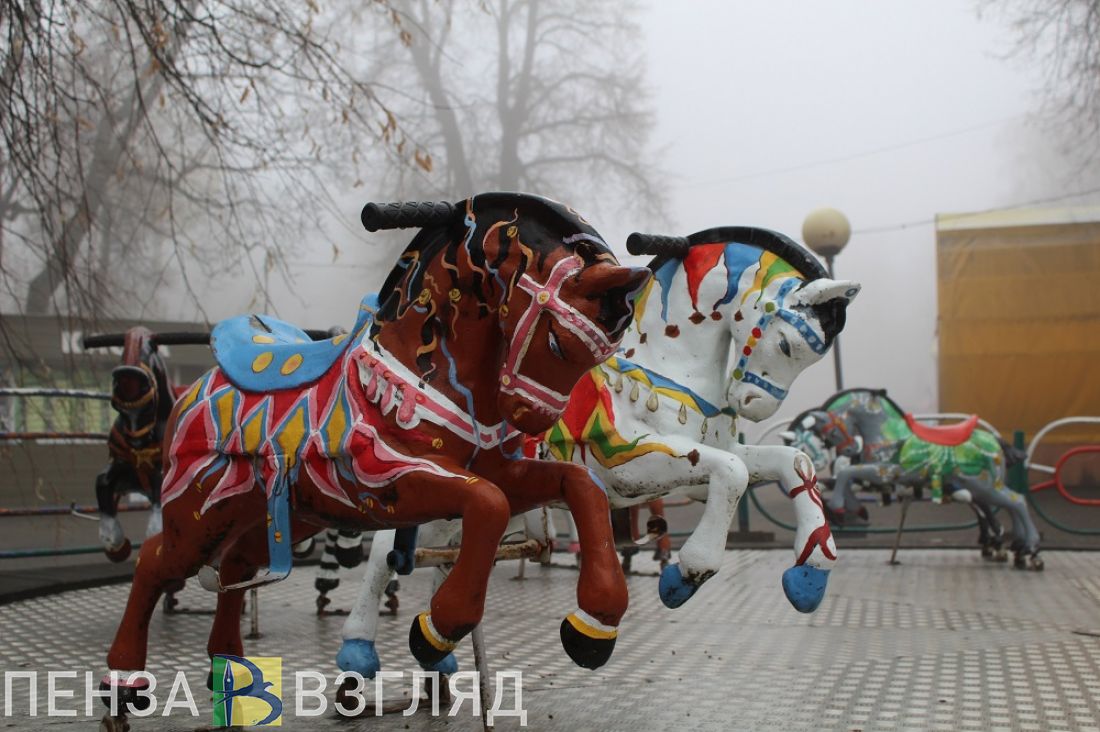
(673, 588)
(446, 667)
(805, 586)
(359, 656)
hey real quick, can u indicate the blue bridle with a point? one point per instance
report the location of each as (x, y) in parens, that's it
(772, 310)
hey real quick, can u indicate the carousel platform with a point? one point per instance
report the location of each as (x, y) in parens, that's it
(943, 641)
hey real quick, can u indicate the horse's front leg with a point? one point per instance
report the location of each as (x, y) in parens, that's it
(814, 550)
(725, 477)
(588, 634)
(115, 544)
(457, 606)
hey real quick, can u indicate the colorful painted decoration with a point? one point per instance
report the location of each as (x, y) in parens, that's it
(877, 443)
(406, 421)
(660, 417)
(741, 313)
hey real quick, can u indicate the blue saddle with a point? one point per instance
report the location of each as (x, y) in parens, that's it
(262, 353)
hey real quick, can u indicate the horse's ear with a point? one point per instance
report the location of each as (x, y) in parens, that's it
(617, 277)
(615, 286)
(819, 292)
(787, 436)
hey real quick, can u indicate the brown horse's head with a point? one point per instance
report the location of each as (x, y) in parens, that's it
(560, 298)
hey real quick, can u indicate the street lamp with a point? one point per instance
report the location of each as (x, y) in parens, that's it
(826, 231)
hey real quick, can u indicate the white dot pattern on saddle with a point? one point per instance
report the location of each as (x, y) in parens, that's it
(942, 642)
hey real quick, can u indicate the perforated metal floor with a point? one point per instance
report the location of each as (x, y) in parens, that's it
(942, 642)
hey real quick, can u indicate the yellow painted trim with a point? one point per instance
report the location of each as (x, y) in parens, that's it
(440, 644)
(262, 339)
(584, 628)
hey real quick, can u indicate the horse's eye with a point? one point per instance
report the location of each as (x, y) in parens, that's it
(555, 347)
(784, 346)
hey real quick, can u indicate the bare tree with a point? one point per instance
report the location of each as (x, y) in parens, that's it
(198, 125)
(532, 95)
(1063, 36)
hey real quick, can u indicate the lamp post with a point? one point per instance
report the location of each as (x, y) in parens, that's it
(826, 231)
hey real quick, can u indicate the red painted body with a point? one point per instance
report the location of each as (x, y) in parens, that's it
(448, 313)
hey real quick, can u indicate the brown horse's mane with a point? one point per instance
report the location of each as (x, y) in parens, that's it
(444, 240)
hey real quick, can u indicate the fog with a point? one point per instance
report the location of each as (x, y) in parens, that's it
(892, 111)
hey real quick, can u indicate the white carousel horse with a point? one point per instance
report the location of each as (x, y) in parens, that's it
(732, 316)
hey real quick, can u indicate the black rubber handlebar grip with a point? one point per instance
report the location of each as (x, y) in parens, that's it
(657, 245)
(181, 339)
(103, 340)
(406, 215)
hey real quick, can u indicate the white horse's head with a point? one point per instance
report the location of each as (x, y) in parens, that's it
(743, 312)
(780, 337)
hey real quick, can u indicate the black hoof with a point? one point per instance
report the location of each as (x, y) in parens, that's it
(128, 698)
(428, 651)
(586, 651)
(121, 554)
(1019, 561)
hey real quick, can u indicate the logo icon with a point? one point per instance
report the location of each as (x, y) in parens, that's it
(247, 691)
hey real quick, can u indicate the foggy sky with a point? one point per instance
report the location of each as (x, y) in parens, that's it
(891, 110)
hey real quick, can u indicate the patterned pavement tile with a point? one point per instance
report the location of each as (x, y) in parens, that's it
(941, 642)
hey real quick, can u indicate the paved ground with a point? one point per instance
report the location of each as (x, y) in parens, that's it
(26, 577)
(942, 642)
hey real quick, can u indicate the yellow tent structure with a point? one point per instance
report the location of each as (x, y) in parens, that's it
(1019, 316)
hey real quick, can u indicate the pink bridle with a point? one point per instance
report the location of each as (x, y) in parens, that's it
(547, 298)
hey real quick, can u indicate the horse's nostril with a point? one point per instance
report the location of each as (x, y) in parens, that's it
(749, 399)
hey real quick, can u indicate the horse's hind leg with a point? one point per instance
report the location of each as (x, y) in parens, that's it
(990, 533)
(237, 564)
(1025, 543)
(357, 652)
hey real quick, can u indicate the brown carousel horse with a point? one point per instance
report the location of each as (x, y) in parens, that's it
(491, 315)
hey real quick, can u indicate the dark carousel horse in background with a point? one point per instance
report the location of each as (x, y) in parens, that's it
(878, 444)
(143, 395)
(489, 318)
